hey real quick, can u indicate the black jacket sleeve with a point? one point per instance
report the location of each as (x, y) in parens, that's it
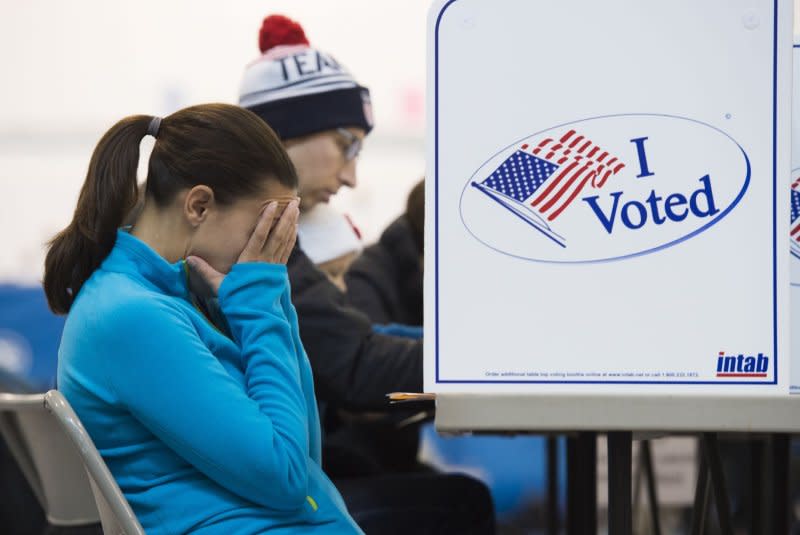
(385, 282)
(352, 366)
(371, 286)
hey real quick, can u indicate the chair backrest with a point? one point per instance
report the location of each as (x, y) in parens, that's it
(49, 461)
(116, 514)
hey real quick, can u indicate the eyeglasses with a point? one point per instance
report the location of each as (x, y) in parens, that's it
(353, 146)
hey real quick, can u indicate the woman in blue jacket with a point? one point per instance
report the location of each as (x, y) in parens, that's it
(205, 432)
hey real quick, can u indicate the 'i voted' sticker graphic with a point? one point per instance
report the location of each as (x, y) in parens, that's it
(606, 188)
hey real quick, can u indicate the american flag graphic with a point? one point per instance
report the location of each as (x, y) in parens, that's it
(795, 226)
(537, 183)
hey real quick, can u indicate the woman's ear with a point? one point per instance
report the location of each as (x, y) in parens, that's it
(197, 204)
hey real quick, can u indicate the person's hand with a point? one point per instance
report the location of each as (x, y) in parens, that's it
(267, 243)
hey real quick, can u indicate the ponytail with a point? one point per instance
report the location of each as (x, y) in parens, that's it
(227, 148)
(107, 196)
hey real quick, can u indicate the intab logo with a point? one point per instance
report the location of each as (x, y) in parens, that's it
(605, 188)
(742, 365)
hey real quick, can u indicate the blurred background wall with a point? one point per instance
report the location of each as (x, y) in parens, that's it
(71, 69)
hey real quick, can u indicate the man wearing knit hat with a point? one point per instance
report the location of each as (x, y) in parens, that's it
(322, 115)
(313, 104)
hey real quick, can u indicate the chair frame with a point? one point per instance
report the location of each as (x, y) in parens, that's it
(48, 461)
(116, 514)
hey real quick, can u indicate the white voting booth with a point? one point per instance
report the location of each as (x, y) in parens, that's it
(605, 211)
(606, 217)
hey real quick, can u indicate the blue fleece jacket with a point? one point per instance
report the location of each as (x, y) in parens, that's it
(204, 433)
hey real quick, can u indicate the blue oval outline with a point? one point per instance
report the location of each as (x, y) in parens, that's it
(632, 255)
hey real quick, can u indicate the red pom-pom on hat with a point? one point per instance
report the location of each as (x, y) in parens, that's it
(278, 30)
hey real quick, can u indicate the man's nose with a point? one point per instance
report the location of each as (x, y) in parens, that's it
(347, 176)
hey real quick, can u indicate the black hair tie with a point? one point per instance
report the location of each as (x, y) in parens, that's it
(152, 128)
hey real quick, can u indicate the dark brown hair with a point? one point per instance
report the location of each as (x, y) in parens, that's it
(227, 148)
(415, 213)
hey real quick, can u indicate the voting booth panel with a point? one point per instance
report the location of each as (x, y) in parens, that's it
(605, 197)
(794, 232)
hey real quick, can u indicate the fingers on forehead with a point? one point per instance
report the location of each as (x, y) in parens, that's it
(263, 225)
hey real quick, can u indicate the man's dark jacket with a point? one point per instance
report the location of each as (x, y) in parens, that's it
(385, 282)
(353, 367)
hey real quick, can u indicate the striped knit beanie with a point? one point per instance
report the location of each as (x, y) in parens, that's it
(299, 90)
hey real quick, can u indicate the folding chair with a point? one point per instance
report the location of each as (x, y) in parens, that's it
(48, 460)
(116, 514)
